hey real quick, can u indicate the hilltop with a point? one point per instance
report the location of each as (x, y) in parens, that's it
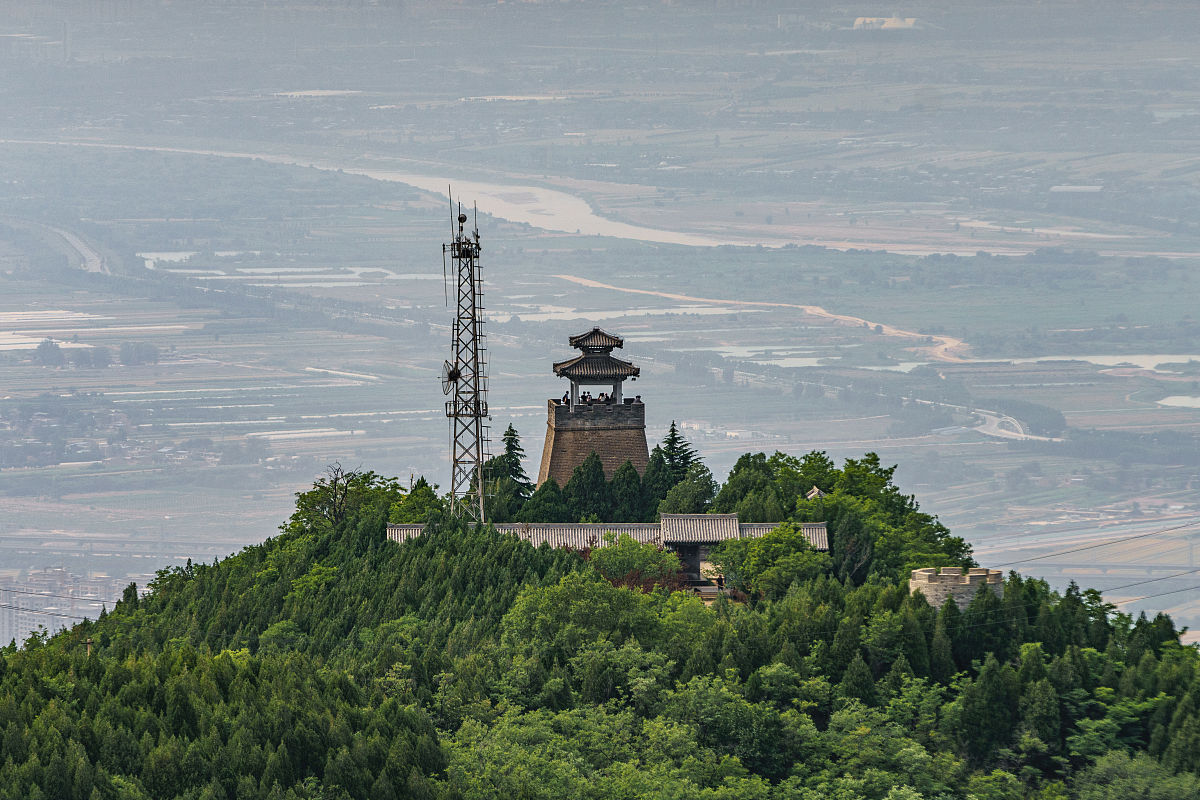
(328, 662)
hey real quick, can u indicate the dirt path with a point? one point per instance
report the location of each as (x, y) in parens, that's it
(944, 348)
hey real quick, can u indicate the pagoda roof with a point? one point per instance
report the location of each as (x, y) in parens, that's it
(596, 339)
(597, 367)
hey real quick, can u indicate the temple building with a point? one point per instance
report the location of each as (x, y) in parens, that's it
(609, 423)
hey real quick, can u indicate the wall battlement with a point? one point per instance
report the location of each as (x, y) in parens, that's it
(616, 431)
(953, 582)
(587, 415)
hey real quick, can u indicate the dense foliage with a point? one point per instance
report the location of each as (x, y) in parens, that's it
(329, 662)
(589, 496)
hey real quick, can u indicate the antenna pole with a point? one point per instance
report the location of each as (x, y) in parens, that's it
(467, 409)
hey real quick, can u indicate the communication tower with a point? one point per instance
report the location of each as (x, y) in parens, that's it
(464, 376)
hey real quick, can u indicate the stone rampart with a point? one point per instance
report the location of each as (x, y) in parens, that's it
(952, 582)
(616, 431)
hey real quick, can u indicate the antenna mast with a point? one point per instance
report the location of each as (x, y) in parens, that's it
(464, 376)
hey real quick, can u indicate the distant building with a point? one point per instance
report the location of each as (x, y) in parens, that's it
(687, 535)
(887, 24)
(952, 582)
(612, 425)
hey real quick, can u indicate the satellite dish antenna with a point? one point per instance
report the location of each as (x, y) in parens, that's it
(450, 376)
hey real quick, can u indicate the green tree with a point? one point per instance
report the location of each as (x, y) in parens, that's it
(1119, 776)
(546, 504)
(692, 495)
(770, 564)
(49, 354)
(678, 454)
(626, 492)
(417, 504)
(857, 683)
(586, 493)
(656, 482)
(507, 484)
(627, 562)
(990, 710)
(337, 495)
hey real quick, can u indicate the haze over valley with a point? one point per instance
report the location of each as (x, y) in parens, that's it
(969, 245)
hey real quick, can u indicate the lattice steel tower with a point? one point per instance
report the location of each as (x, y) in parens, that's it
(464, 376)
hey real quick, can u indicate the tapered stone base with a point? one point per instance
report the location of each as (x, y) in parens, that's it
(616, 432)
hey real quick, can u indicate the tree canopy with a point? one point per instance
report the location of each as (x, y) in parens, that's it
(329, 662)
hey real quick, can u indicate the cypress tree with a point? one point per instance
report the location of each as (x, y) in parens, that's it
(891, 683)
(1049, 632)
(990, 707)
(626, 492)
(941, 656)
(587, 493)
(656, 482)
(1040, 713)
(1033, 664)
(916, 649)
(546, 504)
(983, 627)
(845, 645)
(857, 682)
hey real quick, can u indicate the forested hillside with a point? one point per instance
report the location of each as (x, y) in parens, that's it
(328, 662)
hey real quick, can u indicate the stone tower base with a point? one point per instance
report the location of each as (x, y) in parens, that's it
(616, 432)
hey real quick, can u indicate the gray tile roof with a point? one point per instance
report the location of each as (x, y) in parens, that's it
(596, 366)
(596, 339)
(674, 529)
(700, 527)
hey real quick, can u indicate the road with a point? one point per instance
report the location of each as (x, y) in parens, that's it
(91, 259)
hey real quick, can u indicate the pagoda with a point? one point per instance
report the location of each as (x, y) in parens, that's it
(609, 423)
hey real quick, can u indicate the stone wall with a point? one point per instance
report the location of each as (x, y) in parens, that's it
(951, 582)
(617, 432)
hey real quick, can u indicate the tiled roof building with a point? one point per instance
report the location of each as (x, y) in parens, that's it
(686, 534)
(610, 424)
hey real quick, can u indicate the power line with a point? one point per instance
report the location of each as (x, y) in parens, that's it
(36, 593)
(1160, 594)
(1192, 524)
(47, 613)
(1151, 580)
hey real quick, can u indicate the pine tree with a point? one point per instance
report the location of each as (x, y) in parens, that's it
(507, 487)
(678, 453)
(513, 457)
(626, 493)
